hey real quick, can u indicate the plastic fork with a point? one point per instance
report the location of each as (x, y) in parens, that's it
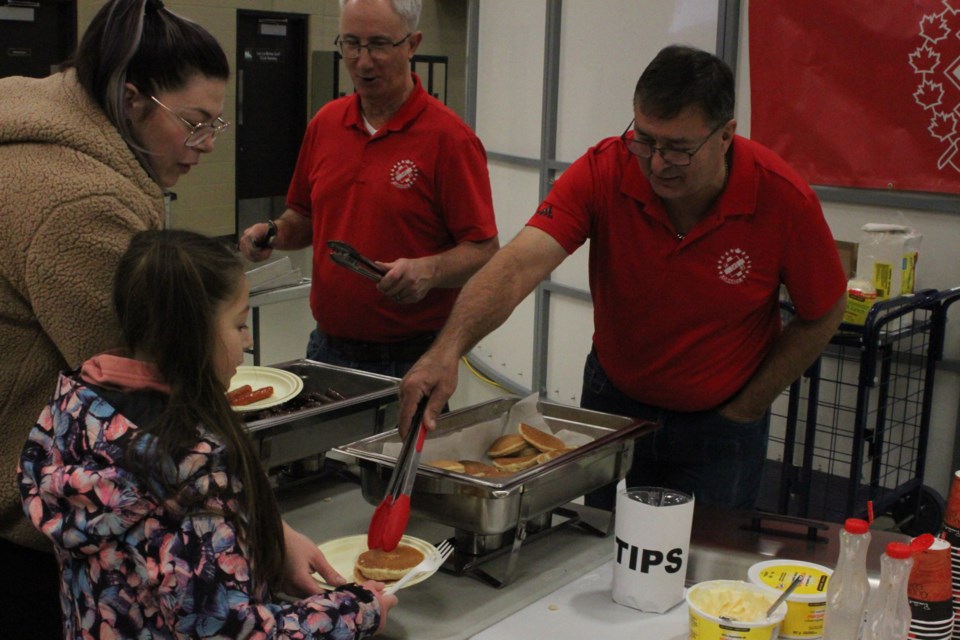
(428, 565)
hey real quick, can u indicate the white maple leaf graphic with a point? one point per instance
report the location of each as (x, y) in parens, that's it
(929, 94)
(934, 28)
(943, 126)
(924, 59)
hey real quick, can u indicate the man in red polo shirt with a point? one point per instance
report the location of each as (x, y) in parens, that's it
(397, 175)
(692, 231)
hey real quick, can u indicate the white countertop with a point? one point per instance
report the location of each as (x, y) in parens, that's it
(584, 608)
(449, 607)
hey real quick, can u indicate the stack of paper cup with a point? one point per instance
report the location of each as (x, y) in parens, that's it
(951, 533)
(930, 594)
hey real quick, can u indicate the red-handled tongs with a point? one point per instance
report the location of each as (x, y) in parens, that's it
(390, 519)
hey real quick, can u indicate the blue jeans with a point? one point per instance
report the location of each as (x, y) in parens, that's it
(318, 348)
(717, 460)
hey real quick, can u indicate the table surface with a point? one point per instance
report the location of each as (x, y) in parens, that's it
(562, 583)
(448, 606)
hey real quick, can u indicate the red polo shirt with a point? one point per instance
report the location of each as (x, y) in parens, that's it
(418, 187)
(683, 324)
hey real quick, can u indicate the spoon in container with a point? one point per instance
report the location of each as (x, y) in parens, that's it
(786, 594)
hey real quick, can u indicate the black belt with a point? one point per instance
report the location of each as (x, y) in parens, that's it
(363, 351)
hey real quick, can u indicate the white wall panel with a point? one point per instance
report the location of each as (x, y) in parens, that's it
(510, 76)
(604, 47)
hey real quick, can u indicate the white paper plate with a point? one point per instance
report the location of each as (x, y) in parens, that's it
(342, 553)
(285, 385)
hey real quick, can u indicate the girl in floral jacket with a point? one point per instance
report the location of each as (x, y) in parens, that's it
(138, 470)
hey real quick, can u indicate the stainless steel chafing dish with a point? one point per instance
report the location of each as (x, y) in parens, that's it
(299, 428)
(482, 510)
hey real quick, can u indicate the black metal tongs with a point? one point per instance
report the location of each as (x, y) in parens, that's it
(346, 256)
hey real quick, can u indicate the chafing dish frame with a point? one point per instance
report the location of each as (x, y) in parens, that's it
(370, 407)
(489, 506)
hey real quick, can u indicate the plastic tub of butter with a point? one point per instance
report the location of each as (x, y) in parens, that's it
(807, 604)
(732, 610)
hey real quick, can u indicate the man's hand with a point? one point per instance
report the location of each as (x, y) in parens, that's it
(252, 237)
(433, 375)
(407, 280)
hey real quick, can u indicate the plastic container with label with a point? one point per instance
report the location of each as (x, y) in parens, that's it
(808, 602)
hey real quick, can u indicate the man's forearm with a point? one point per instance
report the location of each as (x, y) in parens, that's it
(797, 347)
(455, 266)
(294, 231)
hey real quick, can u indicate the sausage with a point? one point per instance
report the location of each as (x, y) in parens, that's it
(239, 391)
(253, 396)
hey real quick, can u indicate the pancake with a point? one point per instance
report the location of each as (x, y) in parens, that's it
(377, 564)
(550, 455)
(516, 463)
(506, 445)
(542, 440)
(479, 469)
(528, 450)
(448, 465)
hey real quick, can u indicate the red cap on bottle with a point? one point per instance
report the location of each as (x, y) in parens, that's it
(899, 550)
(856, 525)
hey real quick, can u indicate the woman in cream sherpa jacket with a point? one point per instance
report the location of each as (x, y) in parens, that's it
(80, 173)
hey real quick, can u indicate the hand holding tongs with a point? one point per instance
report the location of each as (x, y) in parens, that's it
(345, 255)
(390, 519)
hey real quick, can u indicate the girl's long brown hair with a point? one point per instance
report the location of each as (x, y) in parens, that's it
(167, 291)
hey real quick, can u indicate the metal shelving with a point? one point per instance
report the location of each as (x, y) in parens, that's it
(854, 427)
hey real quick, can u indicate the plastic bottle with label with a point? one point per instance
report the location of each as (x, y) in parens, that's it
(848, 587)
(888, 612)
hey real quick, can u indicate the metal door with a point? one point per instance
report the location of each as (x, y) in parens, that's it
(35, 37)
(271, 106)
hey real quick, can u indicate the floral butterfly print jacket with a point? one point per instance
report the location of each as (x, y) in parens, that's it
(133, 567)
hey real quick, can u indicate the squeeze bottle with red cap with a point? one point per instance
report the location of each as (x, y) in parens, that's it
(888, 612)
(848, 587)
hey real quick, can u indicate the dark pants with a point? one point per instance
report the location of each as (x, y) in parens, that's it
(319, 349)
(702, 453)
(29, 593)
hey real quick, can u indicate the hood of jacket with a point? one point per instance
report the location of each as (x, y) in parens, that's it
(56, 110)
(79, 489)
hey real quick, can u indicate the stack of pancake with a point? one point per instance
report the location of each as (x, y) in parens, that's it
(386, 566)
(510, 453)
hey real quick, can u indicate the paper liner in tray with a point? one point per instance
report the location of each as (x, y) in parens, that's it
(472, 443)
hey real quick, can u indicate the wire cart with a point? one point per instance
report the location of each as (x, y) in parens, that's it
(854, 427)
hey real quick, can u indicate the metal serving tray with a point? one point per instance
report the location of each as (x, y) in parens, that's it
(371, 405)
(495, 505)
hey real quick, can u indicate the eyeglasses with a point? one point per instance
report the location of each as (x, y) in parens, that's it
(676, 157)
(378, 49)
(199, 133)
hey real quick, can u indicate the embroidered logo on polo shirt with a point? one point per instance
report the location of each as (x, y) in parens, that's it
(545, 211)
(734, 265)
(403, 174)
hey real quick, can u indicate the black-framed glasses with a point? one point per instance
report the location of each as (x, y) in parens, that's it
(676, 157)
(199, 133)
(350, 47)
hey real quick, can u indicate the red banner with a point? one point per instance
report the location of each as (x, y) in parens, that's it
(859, 93)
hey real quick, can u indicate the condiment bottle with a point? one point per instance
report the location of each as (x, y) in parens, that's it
(848, 587)
(888, 612)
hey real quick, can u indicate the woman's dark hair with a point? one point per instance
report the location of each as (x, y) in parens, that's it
(168, 289)
(680, 77)
(141, 42)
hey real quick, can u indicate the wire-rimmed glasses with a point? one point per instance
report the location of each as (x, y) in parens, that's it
(350, 47)
(676, 157)
(199, 133)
